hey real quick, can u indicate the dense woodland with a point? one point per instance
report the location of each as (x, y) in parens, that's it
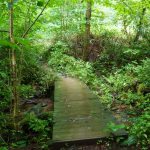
(104, 43)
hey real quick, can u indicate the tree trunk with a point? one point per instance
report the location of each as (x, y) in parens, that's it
(13, 65)
(139, 30)
(87, 31)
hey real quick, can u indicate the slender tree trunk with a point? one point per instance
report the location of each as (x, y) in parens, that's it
(87, 31)
(125, 24)
(27, 17)
(13, 64)
(62, 20)
(140, 25)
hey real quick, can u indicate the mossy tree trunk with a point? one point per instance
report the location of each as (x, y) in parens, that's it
(14, 79)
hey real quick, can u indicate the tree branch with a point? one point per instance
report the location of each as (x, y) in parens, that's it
(128, 6)
(4, 31)
(26, 32)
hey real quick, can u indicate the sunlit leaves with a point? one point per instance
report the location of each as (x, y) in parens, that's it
(115, 127)
(8, 44)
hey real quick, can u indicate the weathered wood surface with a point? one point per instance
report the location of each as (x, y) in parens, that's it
(78, 114)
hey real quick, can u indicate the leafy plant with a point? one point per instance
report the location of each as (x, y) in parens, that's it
(127, 87)
(41, 127)
(26, 91)
(140, 130)
(112, 127)
(3, 148)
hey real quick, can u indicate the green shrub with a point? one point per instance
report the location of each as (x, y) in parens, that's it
(68, 65)
(140, 130)
(130, 86)
(118, 52)
(5, 88)
(26, 91)
(38, 129)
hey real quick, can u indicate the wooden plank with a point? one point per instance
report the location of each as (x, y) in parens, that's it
(78, 114)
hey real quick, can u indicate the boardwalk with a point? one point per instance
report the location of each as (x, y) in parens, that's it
(78, 115)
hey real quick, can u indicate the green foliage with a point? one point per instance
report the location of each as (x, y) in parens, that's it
(112, 127)
(130, 141)
(130, 86)
(5, 88)
(126, 83)
(20, 144)
(3, 148)
(122, 41)
(40, 3)
(26, 91)
(39, 126)
(36, 124)
(144, 72)
(140, 130)
(32, 78)
(47, 79)
(68, 65)
(117, 52)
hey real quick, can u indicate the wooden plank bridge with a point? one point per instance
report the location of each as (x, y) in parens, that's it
(78, 115)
